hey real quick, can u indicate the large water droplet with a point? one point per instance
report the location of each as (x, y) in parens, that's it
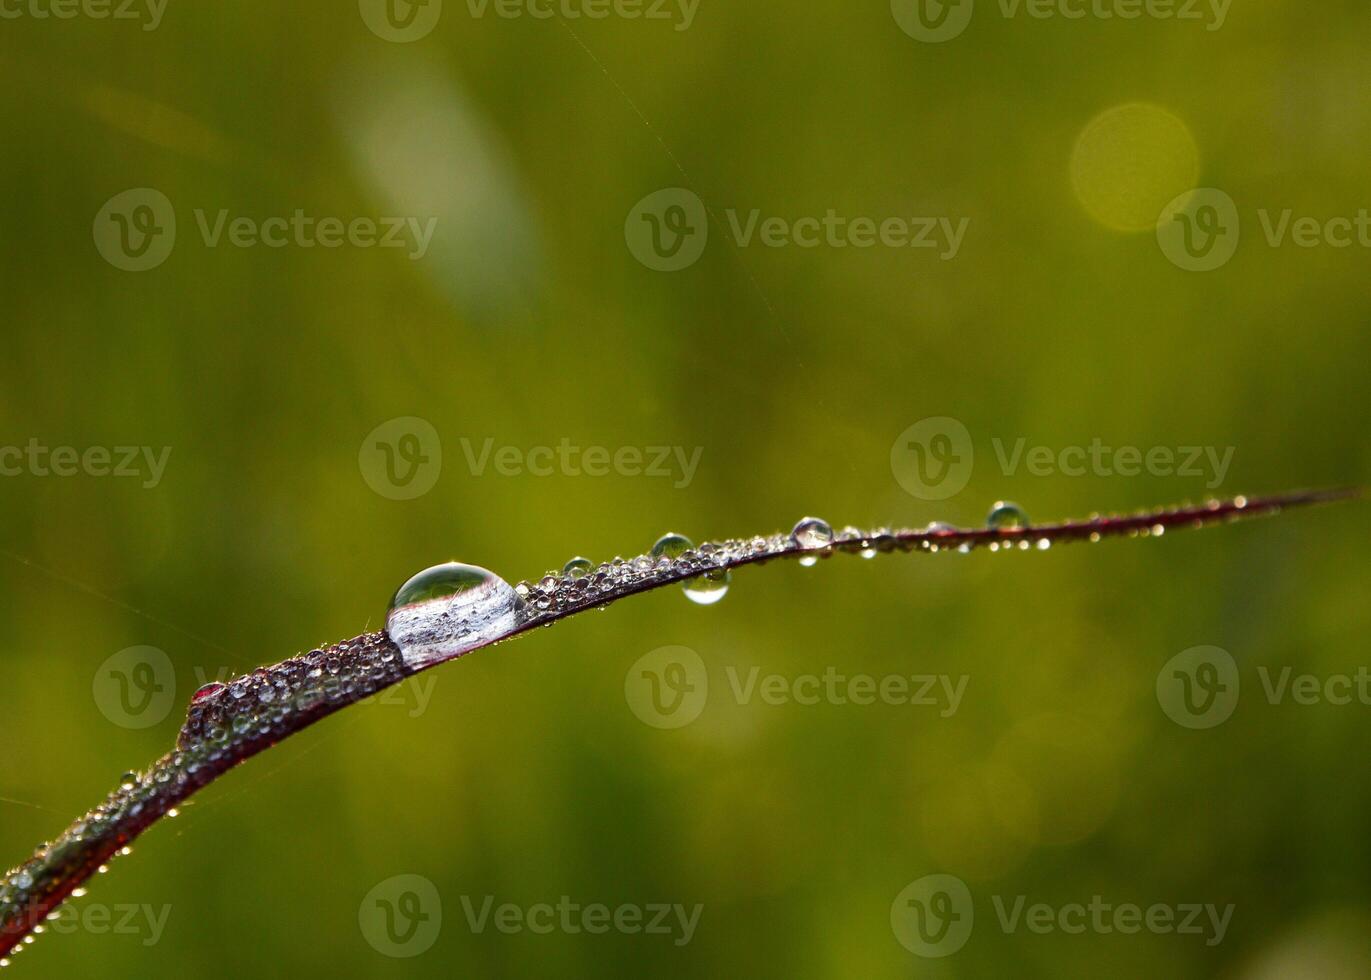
(704, 590)
(578, 568)
(809, 534)
(671, 545)
(709, 588)
(1004, 515)
(446, 610)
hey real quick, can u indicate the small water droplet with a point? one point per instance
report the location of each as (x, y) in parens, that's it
(811, 534)
(446, 610)
(211, 690)
(1006, 516)
(578, 568)
(672, 545)
(128, 781)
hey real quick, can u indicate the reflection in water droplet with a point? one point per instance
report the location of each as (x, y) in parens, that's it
(211, 690)
(704, 590)
(446, 610)
(709, 588)
(671, 546)
(810, 534)
(578, 568)
(1005, 515)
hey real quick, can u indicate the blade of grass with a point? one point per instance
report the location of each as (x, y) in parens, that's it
(272, 703)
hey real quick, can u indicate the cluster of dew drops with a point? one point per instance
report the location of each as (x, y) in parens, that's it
(454, 608)
(449, 609)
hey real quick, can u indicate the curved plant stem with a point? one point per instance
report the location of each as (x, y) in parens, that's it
(227, 725)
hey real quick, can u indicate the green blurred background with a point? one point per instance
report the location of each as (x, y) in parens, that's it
(527, 776)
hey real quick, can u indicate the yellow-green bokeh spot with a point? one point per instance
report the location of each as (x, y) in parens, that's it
(1129, 161)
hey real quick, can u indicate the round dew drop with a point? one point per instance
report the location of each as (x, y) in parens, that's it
(1006, 516)
(703, 590)
(447, 610)
(578, 568)
(810, 534)
(672, 545)
(709, 588)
